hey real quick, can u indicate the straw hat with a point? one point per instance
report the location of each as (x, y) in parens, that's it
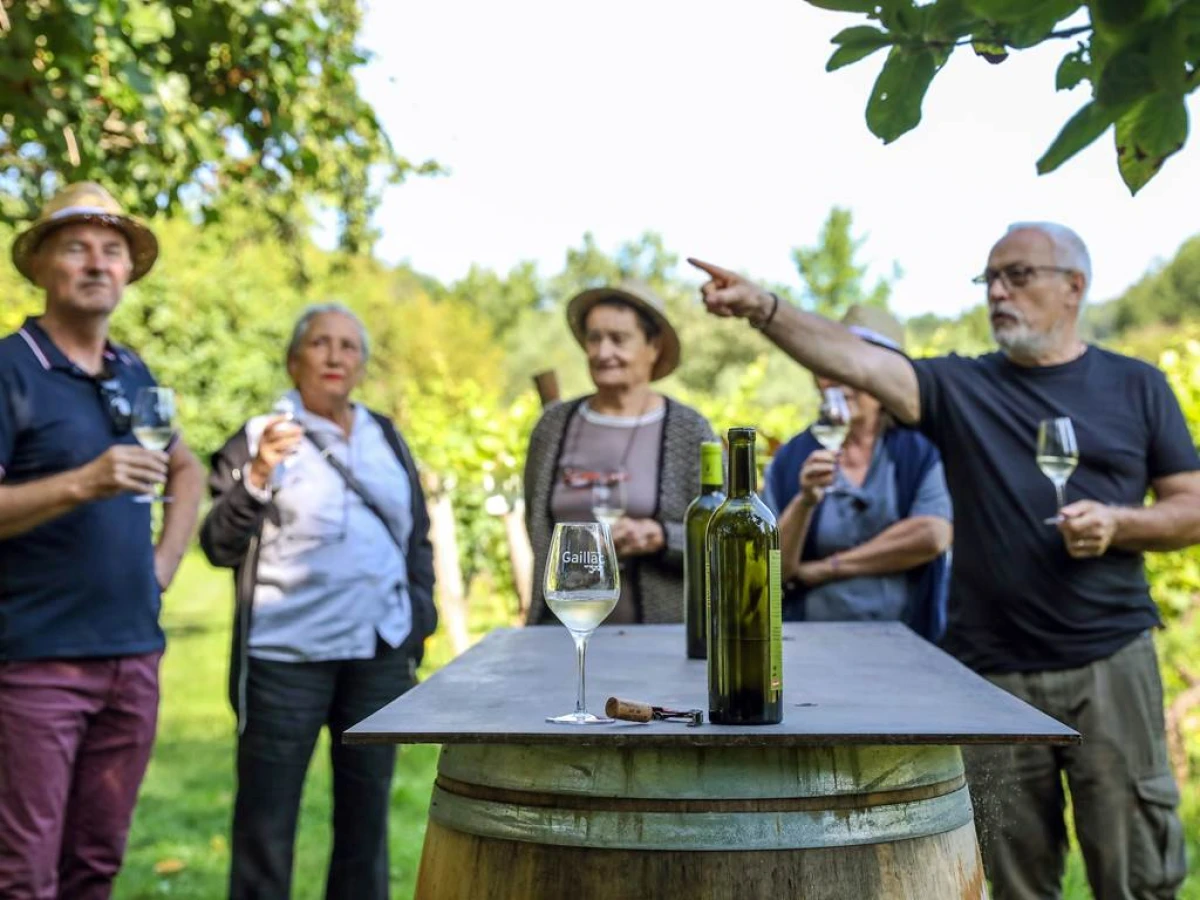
(641, 297)
(876, 326)
(86, 201)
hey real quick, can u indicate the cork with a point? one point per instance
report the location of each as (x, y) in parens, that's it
(628, 710)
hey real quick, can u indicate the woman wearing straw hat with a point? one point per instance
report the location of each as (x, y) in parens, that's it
(625, 450)
(864, 533)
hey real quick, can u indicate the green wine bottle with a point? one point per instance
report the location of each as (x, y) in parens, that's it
(695, 563)
(745, 608)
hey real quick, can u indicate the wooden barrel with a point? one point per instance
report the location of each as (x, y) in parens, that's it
(819, 823)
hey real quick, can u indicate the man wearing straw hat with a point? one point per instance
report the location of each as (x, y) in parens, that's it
(80, 580)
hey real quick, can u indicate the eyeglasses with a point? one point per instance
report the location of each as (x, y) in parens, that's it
(1016, 275)
(116, 404)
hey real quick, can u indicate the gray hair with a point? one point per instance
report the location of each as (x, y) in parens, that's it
(1070, 251)
(320, 309)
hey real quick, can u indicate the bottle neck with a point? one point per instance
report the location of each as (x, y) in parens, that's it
(743, 477)
(712, 474)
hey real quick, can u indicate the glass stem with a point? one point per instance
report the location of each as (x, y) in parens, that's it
(580, 656)
(1059, 490)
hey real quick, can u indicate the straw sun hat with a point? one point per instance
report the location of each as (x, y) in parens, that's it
(85, 201)
(640, 297)
(876, 326)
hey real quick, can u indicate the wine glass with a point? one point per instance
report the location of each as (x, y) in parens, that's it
(833, 422)
(608, 497)
(153, 414)
(1057, 457)
(582, 586)
(284, 408)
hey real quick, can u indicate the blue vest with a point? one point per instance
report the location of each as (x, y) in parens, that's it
(913, 456)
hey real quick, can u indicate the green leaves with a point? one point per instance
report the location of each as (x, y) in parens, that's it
(855, 44)
(1140, 58)
(895, 104)
(861, 6)
(1083, 128)
(991, 51)
(1126, 76)
(1124, 13)
(1073, 69)
(1002, 10)
(1040, 20)
(148, 22)
(147, 94)
(1149, 133)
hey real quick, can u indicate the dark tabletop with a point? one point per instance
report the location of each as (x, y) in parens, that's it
(843, 683)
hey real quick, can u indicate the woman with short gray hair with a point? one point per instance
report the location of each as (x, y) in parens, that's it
(321, 516)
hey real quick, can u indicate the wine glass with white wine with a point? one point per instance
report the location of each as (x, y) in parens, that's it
(582, 585)
(833, 422)
(608, 497)
(153, 418)
(1057, 457)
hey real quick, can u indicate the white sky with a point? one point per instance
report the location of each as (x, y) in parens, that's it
(715, 124)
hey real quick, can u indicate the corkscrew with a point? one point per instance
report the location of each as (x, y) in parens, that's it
(637, 711)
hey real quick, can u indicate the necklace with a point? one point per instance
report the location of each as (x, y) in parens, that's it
(579, 478)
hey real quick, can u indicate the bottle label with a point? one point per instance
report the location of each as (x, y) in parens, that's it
(775, 598)
(710, 466)
(707, 590)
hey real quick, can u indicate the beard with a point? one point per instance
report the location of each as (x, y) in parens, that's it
(1019, 339)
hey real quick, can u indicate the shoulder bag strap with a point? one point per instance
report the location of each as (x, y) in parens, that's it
(355, 485)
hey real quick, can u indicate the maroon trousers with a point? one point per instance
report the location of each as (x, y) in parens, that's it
(75, 738)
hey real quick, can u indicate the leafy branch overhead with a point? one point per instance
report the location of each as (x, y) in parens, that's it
(1139, 57)
(173, 102)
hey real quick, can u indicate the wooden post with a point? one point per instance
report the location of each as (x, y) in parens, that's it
(547, 386)
(520, 554)
(448, 571)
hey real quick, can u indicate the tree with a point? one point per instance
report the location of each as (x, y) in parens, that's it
(169, 104)
(1141, 58)
(833, 280)
(1167, 296)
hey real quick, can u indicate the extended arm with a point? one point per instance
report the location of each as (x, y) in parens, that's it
(820, 345)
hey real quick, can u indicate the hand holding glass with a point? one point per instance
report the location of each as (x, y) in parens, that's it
(833, 422)
(1057, 457)
(582, 585)
(608, 498)
(153, 415)
(284, 408)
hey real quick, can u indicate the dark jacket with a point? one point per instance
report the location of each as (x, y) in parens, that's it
(914, 455)
(230, 533)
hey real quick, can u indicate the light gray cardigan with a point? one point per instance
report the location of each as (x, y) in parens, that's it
(658, 578)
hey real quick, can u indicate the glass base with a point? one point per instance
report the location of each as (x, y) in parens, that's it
(583, 718)
(1053, 520)
(150, 498)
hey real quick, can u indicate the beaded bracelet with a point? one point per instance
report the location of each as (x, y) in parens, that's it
(771, 315)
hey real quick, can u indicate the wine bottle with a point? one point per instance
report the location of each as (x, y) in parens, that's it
(695, 562)
(745, 647)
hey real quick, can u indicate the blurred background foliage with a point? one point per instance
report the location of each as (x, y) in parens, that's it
(237, 127)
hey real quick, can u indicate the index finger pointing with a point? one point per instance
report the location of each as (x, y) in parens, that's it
(714, 271)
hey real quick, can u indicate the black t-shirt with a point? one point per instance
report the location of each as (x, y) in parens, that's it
(1018, 601)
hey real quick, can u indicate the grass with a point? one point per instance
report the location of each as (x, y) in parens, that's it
(179, 843)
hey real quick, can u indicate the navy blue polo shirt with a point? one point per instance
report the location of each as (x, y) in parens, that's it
(82, 584)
